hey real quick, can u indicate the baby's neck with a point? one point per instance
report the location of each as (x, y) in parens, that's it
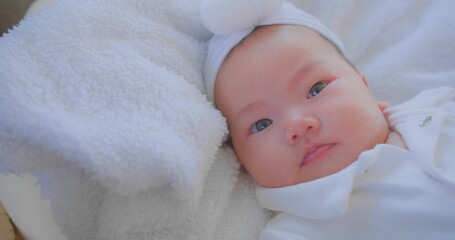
(394, 138)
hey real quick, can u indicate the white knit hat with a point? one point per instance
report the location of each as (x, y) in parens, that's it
(232, 20)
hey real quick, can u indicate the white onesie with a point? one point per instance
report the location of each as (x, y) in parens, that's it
(389, 192)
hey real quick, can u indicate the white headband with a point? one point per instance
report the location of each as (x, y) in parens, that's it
(233, 20)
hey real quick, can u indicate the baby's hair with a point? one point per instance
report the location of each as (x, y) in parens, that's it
(253, 33)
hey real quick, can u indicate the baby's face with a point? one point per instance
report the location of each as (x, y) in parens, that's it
(296, 110)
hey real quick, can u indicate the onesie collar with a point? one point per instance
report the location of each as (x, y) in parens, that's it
(323, 198)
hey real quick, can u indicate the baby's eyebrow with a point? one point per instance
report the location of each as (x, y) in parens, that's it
(304, 70)
(247, 110)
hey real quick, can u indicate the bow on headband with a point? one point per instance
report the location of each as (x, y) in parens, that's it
(232, 20)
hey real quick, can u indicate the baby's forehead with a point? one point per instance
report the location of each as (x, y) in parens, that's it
(280, 35)
(297, 33)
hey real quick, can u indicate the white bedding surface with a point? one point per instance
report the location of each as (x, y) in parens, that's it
(402, 47)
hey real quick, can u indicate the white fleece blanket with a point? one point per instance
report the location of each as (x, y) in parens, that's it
(103, 102)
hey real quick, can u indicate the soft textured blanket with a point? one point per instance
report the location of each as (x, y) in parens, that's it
(103, 102)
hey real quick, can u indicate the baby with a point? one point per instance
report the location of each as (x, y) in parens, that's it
(336, 163)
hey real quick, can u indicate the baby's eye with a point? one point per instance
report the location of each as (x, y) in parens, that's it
(260, 125)
(316, 89)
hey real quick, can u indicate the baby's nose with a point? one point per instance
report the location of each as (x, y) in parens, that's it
(299, 126)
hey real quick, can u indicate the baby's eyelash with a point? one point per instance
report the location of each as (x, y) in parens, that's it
(317, 88)
(260, 125)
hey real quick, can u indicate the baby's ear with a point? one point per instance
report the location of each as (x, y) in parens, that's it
(381, 104)
(364, 79)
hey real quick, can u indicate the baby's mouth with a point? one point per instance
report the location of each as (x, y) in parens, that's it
(316, 152)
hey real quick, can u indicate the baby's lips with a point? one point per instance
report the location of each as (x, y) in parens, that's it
(315, 152)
